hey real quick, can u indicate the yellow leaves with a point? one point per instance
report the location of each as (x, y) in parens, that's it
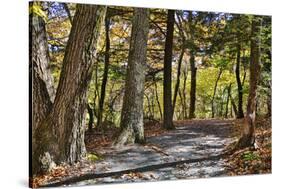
(37, 9)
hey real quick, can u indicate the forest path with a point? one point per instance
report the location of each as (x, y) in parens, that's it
(192, 150)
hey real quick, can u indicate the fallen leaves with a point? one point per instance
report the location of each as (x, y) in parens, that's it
(61, 172)
(253, 161)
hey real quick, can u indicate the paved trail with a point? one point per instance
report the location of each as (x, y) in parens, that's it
(196, 140)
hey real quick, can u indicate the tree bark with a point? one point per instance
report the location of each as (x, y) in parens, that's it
(239, 84)
(105, 73)
(227, 100)
(234, 106)
(131, 124)
(193, 70)
(178, 80)
(61, 135)
(91, 118)
(167, 84)
(214, 93)
(248, 135)
(184, 93)
(41, 81)
(157, 99)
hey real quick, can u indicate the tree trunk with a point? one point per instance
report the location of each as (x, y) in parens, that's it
(239, 84)
(41, 81)
(157, 99)
(105, 73)
(269, 100)
(91, 118)
(178, 80)
(61, 135)
(214, 93)
(227, 100)
(248, 136)
(184, 93)
(131, 124)
(193, 70)
(167, 84)
(234, 106)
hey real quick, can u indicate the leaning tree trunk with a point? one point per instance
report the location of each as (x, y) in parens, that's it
(248, 136)
(131, 124)
(178, 80)
(60, 137)
(184, 104)
(157, 98)
(168, 109)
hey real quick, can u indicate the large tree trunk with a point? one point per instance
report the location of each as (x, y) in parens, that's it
(248, 136)
(178, 80)
(60, 137)
(131, 124)
(167, 84)
(239, 84)
(41, 81)
(214, 93)
(105, 73)
(193, 70)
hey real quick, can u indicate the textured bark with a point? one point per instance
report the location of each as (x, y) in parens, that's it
(105, 73)
(214, 93)
(131, 124)
(41, 81)
(193, 70)
(167, 84)
(239, 84)
(66, 120)
(248, 136)
(178, 80)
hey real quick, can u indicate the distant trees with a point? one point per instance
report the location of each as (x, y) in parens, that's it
(167, 80)
(132, 130)
(60, 135)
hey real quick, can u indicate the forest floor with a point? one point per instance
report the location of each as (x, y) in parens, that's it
(193, 150)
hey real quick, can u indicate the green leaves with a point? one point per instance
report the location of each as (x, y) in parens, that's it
(93, 157)
(37, 9)
(250, 156)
